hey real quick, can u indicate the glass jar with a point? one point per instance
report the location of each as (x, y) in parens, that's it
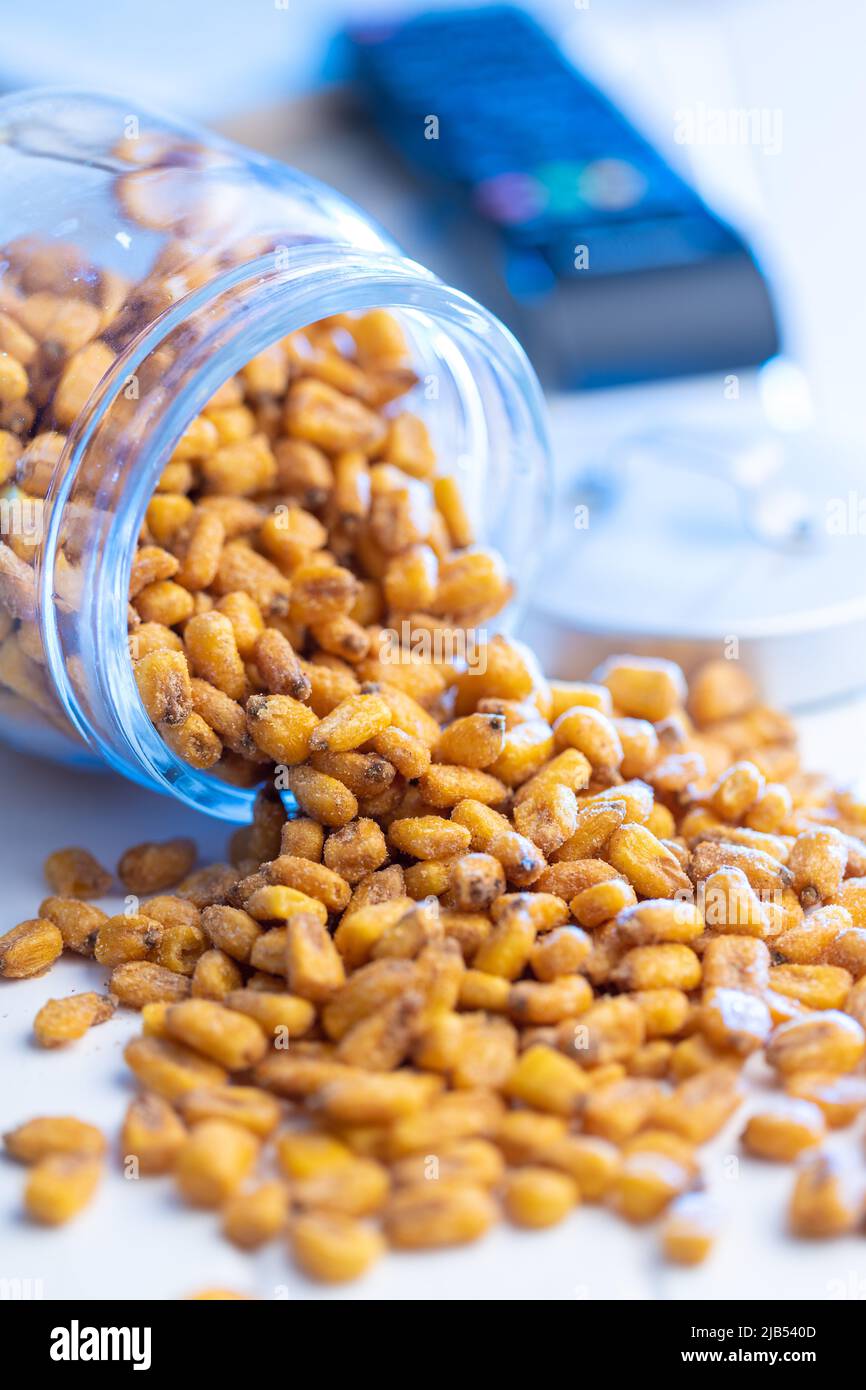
(149, 262)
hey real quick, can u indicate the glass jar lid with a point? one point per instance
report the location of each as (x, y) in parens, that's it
(696, 543)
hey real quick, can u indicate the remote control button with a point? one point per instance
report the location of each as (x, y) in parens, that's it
(612, 185)
(511, 198)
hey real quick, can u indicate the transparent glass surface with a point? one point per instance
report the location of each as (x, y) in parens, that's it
(142, 263)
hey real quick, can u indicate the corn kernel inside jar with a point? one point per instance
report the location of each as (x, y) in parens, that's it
(302, 549)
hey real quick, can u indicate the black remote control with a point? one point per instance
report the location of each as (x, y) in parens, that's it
(604, 261)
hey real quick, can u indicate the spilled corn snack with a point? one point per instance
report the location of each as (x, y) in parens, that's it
(423, 1001)
(491, 944)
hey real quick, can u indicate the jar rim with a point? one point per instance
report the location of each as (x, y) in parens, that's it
(317, 280)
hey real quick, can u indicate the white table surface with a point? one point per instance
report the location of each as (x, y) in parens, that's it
(136, 1240)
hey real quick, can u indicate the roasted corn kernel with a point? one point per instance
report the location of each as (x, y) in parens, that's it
(213, 1161)
(59, 1186)
(538, 1197)
(152, 1134)
(61, 1021)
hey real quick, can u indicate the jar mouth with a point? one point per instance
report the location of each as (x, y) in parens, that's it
(259, 303)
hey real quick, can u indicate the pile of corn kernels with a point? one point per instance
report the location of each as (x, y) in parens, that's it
(519, 938)
(298, 536)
